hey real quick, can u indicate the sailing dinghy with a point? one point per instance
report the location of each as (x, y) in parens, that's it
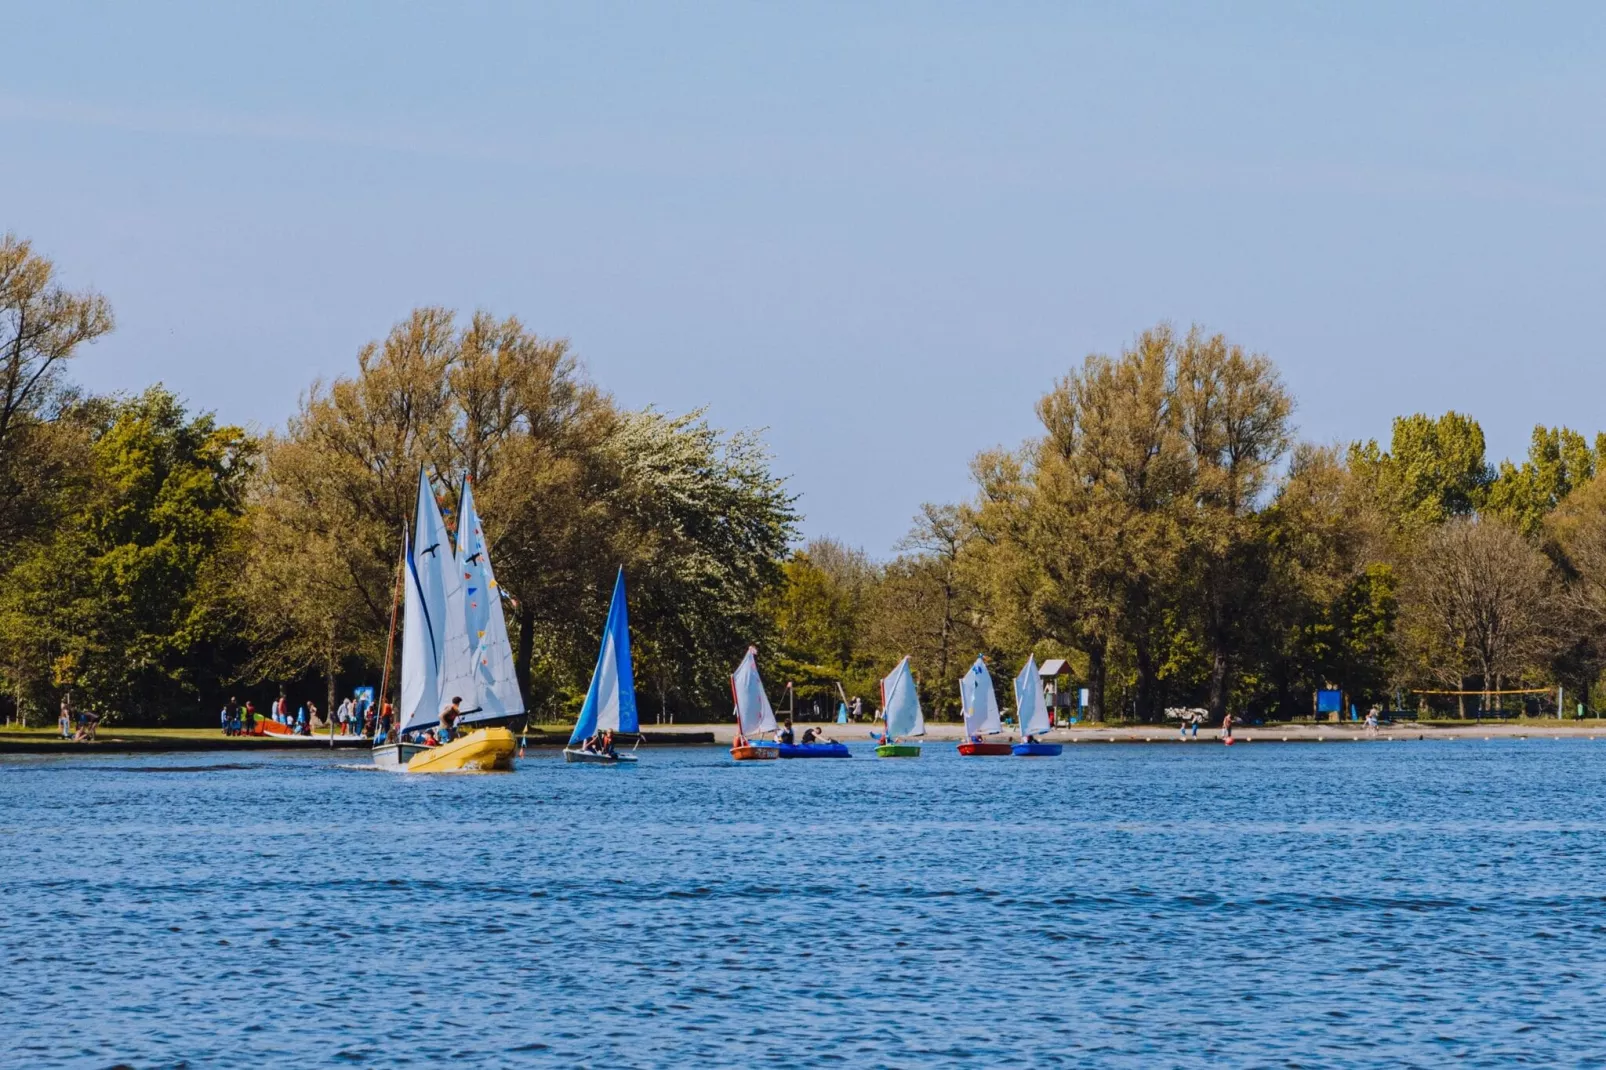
(753, 712)
(441, 603)
(979, 704)
(900, 707)
(1032, 709)
(610, 704)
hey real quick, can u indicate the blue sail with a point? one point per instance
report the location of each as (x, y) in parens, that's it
(611, 700)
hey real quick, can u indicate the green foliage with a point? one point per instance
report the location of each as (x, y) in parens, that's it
(126, 601)
(1559, 461)
(1434, 469)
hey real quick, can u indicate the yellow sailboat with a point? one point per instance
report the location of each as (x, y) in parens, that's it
(454, 643)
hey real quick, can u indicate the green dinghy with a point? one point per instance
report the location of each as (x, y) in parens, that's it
(900, 707)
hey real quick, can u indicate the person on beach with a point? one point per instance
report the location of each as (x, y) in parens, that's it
(65, 721)
(1226, 726)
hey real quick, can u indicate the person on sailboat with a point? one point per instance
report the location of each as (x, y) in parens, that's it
(808, 736)
(449, 718)
(787, 735)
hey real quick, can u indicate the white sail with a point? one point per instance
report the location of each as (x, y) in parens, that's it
(432, 569)
(420, 684)
(495, 685)
(1030, 702)
(753, 712)
(978, 701)
(900, 703)
(459, 644)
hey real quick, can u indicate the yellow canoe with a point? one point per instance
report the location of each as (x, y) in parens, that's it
(480, 751)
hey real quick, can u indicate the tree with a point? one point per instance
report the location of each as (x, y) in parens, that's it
(42, 326)
(1475, 604)
(569, 488)
(1233, 412)
(127, 603)
(1434, 469)
(1559, 461)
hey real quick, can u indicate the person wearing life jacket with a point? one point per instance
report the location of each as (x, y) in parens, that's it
(449, 718)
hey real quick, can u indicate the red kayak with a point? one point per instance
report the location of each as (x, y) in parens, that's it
(985, 749)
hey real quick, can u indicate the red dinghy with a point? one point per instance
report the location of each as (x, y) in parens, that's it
(985, 749)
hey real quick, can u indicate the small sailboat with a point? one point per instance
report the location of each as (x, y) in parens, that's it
(979, 703)
(753, 712)
(437, 661)
(610, 704)
(900, 706)
(1032, 707)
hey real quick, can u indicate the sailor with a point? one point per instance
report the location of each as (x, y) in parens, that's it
(808, 736)
(449, 718)
(787, 735)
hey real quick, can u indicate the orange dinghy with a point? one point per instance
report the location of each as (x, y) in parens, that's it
(753, 712)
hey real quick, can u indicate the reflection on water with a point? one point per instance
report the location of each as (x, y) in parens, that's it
(1123, 905)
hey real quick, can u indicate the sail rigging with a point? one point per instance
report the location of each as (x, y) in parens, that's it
(491, 686)
(1031, 705)
(978, 701)
(753, 711)
(610, 704)
(900, 703)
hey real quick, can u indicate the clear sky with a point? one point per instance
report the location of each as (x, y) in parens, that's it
(879, 230)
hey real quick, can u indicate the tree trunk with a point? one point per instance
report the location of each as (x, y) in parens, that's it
(521, 660)
(1218, 685)
(1148, 683)
(329, 686)
(1097, 671)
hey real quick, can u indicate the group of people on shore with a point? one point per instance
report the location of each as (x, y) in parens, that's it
(354, 716)
(77, 725)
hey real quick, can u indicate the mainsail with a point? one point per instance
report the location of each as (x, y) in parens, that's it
(432, 570)
(491, 687)
(753, 712)
(979, 702)
(900, 703)
(420, 683)
(611, 700)
(1030, 704)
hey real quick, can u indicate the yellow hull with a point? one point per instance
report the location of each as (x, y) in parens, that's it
(480, 751)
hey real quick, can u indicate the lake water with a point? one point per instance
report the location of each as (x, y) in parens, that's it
(1268, 904)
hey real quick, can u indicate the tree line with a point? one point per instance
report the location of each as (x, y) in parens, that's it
(1164, 530)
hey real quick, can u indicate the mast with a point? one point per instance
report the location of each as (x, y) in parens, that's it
(390, 638)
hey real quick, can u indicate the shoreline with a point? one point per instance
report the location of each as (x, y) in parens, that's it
(177, 741)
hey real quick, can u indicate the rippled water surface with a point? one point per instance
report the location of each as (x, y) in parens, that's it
(1332, 904)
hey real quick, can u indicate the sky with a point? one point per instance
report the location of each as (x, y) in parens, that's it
(879, 231)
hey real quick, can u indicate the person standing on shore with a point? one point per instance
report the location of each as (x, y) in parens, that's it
(1226, 727)
(65, 721)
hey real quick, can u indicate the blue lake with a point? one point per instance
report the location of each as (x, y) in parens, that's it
(1334, 904)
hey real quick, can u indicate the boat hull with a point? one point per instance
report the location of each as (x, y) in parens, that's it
(1039, 750)
(898, 750)
(484, 750)
(752, 753)
(396, 755)
(985, 750)
(814, 750)
(586, 757)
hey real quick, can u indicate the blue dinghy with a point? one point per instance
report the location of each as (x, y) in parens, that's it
(1038, 750)
(814, 750)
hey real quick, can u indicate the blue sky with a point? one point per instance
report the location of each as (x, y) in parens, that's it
(879, 230)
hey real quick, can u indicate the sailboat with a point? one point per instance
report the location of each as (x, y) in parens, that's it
(610, 704)
(753, 712)
(1032, 710)
(900, 706)
(979, 703)
(436, 663)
